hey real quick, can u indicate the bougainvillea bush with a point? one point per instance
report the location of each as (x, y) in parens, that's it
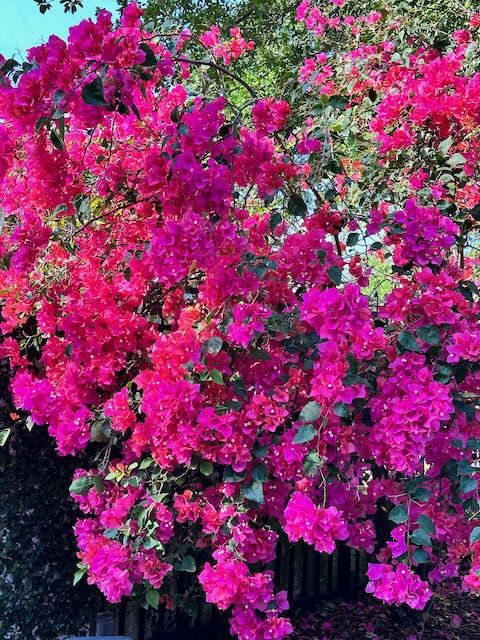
(260, 315)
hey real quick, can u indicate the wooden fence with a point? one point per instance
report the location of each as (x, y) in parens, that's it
(307, 576)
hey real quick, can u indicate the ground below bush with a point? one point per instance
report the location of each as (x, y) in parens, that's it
(452, 616)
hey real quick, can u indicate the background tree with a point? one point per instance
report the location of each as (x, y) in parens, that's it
(69, 6)
(281, 44)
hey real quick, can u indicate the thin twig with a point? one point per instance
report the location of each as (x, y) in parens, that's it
(213, 65)
(124, 205)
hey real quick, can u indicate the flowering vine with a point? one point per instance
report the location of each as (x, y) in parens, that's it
(259, 325)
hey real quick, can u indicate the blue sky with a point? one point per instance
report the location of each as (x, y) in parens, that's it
(23, 26)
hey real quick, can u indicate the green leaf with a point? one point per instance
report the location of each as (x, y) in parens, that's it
(475, 535)
(429, 334)
(421, 494)
(310, 412)
(334, 167)
(229, 475)
(97, 431)
(4, 434)
(471, 504)
(9, 65)
(188, 564)
(426, 523)
(456, 160)
(56, 139)
(464, 468)
(275, 220)
(216, 376)
(444, 146)
(82, 485)
(444, 374)
(305, 433)
(465, 407)
(421, 538)
(311, 464)
(213, 345)
(335, 275)
(81, 203)
(296, 206)
(136, 111)
(420, 556)
(58, 96)
(41, 123)
(338, 102)
(182, 129)
(353, 378)
(254, 492)
(92, 93)
(467, 484)
(175, 114)
(206, 468)
(352, 239)
(151, 543)
(82, 570)
(398, 514)
(152, 596)
(407, 341)
(146, 463)
(260, 472)
(59, 116)
(260, 452)
(341, 410)
(449, 470)
(150, 59)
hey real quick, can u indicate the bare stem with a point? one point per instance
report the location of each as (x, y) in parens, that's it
(213, 65)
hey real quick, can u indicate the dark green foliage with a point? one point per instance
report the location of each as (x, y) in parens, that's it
(37, 546)
(69, 6)
(281, 44)
(278, 38)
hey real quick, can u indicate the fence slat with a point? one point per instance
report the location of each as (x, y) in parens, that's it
(330, 591)
(141, 624)
(344, 575)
